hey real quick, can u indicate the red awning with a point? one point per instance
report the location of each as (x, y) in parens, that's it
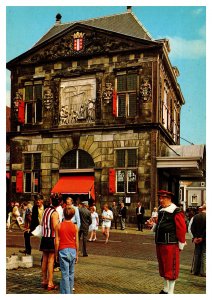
(75, 185)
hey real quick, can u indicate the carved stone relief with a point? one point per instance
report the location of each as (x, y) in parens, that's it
(146, 90)
(47, 99)
(55, 87)
(77, 101)
(92, 42)
(16, 101)
(98, 97)
(107, 95)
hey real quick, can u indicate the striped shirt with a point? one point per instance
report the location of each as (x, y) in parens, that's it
(47, 230)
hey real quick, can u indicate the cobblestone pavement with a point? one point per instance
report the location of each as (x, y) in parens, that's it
(126, 265)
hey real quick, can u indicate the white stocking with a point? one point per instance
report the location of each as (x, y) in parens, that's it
(171, 286)
(166, 285)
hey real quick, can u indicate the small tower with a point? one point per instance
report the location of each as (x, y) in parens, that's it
(58, 19)
(129, 9)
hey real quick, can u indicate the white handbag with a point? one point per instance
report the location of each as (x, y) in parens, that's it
(38, 231)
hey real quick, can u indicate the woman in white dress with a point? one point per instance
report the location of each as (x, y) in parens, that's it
(107, 217)
(94, 225)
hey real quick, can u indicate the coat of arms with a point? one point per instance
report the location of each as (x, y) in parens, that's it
(78, 41)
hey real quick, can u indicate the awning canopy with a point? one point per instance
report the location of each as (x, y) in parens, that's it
(184, 161)
(75, 185)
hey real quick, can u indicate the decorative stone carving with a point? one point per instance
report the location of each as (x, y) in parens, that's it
(98, 98)
(16, 101)
(146, 90)
(69, 46)
(107, 95)
(78, 101)
(64, 115)
(47, 99)
(55, 87)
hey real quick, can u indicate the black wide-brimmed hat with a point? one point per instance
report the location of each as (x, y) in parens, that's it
(164, 193)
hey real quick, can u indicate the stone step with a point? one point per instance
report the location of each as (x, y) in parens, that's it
(15, 261)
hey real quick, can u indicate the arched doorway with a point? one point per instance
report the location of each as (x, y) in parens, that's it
(76, 176)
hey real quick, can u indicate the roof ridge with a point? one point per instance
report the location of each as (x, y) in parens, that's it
(104, 17)
(139, 22)
(91, 19)
(65, 26)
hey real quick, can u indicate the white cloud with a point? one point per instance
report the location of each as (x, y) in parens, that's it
(197, 11)
(187, 49)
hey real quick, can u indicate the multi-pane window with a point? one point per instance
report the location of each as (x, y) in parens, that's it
(175, 125)
(127, 95)
(33, 103)
(165, 108)
(32, 167)
(126, 172)
(77, 159)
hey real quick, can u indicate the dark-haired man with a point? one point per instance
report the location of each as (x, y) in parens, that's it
(37, 214)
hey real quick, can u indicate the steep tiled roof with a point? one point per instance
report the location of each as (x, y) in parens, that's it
(124, 23)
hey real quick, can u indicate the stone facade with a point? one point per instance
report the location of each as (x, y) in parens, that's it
(84, 105)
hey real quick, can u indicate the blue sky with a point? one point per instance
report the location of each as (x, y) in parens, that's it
(184, 26)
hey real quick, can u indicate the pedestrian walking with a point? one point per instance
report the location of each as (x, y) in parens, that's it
(107, 217)
(66, 248)
(122, 215)
(94, 225)
(9, 210)
(49, 223)
(198, 230)
(115, 212)
(85, 219)
(140, 216)
(36, 219)
(16, 218)
(170, 234)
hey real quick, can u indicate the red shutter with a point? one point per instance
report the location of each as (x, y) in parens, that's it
(112, 181)
(19, 181)
(21, 112)
(115, 103)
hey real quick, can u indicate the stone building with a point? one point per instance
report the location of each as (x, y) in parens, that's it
(95, 105)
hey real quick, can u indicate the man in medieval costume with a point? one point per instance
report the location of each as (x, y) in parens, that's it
(170, 234)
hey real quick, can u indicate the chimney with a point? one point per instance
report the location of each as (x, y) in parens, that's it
(58, 19)
(129, 9)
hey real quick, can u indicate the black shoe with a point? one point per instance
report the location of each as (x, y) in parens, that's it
(85, 255)
(22, 251)
(25, 252)
(162, 292)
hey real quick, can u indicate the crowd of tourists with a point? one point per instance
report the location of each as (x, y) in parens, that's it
(62, 224)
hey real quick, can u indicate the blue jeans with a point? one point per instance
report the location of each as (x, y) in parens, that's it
(67, 258)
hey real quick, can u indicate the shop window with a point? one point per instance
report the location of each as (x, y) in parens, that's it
(126, 96)
(32, 166)
(33, 103)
